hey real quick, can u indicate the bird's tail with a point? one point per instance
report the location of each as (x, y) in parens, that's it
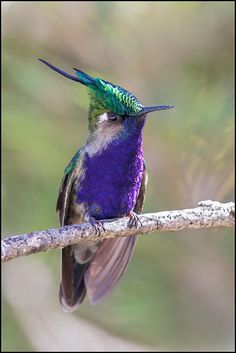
(72, 288)
(107, 267)
(98, 276)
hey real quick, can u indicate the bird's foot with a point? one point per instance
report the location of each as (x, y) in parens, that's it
(97, 225)
(134, 220)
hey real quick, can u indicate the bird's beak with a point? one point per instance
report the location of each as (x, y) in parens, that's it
(154, 108)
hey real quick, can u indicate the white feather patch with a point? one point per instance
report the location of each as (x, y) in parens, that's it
(106, 132)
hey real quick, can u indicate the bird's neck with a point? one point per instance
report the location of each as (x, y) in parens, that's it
(128, 140)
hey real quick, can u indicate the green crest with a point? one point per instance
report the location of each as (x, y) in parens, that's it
(105, 96)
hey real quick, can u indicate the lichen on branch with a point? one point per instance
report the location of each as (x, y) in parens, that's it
(207, 214)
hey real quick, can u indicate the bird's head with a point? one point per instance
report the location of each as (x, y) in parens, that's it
(110, 105)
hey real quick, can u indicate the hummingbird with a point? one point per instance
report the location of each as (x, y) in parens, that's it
(105, 179)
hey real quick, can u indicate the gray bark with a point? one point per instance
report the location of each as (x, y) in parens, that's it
(207, 214)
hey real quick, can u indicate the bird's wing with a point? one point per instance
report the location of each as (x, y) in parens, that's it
(72, 288)
(111, 259)
(71, 172)
(142, 192)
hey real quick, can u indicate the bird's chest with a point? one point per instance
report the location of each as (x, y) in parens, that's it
(111, 181)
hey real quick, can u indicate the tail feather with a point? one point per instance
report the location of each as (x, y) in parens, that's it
(72, 306)
(72, 288)
(107, 266)
(98, 276)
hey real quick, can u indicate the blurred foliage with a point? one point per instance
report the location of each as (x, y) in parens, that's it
(178, 290)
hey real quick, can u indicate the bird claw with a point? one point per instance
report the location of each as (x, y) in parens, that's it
(97, 225)
(134, 220)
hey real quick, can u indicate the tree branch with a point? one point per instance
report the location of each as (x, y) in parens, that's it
(207, 214)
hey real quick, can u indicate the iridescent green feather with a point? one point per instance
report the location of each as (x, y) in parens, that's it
(105, 96)
(72, 163)
(116, 98)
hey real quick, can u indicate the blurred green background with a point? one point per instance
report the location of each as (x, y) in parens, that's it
(178, 290)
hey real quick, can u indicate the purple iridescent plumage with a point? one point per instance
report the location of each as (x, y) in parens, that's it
(111, 179)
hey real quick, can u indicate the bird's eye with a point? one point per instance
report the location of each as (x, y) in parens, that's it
(112, 117)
